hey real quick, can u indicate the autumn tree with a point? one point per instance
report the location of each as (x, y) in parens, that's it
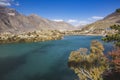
(113, 73)
(89, 66)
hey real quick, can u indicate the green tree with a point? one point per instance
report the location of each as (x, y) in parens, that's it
(118, 10)
(114, 57)
(114, 37)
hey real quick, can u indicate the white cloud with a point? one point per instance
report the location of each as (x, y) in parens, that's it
(8, 3)
(78, 22)
(90, 20)
(97, 17)
(83, 23)
(4, 4)
(17, 4)
(72, 21)
(58, 20)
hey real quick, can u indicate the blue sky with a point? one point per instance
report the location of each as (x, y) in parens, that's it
(77, 12)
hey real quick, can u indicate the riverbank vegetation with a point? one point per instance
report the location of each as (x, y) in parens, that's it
(89, 65)
(94, 65)
(35, 36)
(113, 73)
(114, 37)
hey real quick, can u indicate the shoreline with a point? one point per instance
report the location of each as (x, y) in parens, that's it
(37, 36)
(84, 34)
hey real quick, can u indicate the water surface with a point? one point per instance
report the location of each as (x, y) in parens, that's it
(42, 60)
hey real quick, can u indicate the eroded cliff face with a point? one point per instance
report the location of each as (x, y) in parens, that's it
(14, 22)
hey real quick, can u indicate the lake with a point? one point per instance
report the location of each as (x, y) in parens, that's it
(42, 60)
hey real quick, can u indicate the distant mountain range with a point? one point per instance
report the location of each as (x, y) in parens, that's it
(14, 22)
(104, 24)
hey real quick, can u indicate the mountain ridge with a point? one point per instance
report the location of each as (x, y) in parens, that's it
(101, 26)
(14, 22)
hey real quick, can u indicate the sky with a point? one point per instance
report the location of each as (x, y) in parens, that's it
(76, 12)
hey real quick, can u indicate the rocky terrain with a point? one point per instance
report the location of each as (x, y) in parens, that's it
(16, 27)
(102, 26)
(13, 25)
(14, 22)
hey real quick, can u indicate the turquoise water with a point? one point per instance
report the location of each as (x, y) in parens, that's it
(42, 60)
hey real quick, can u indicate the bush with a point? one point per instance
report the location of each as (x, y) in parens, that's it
(88, 66)
(118, 10)
(114, 37)
(114, 72)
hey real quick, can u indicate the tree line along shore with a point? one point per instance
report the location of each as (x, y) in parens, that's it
(35, 36)
(42, 35)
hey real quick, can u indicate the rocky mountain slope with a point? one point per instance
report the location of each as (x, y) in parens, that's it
(99, 27)
(14, 22)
